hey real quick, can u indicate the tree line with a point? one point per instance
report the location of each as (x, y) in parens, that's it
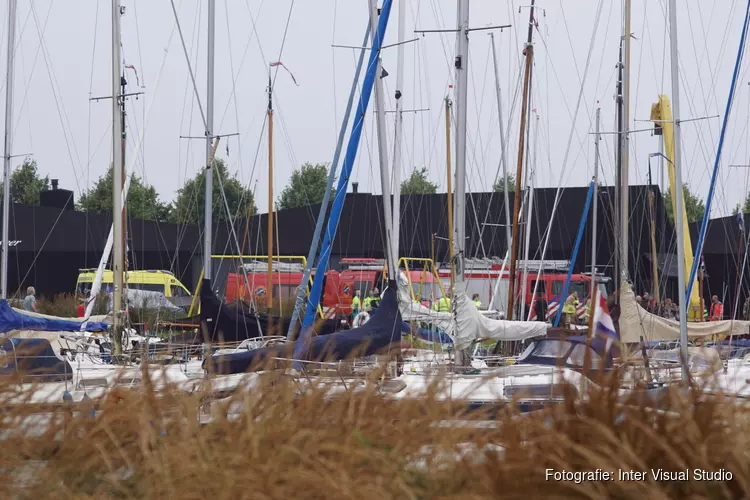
(306, 186)
(26, 185)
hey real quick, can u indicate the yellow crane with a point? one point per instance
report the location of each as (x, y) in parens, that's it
(661, 114)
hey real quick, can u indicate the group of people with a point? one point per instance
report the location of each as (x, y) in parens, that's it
(370, 303)
(670, 310)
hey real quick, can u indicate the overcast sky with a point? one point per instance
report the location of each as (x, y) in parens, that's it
(70, 136)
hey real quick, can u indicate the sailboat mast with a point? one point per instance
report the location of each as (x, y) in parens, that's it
(461, 64)
(529, 53)
(618, 175)
(625, 144)
(449, 189)
(503, 155)
(529, 210)
(119, 257)
(677, 160)
(399, 126)
(269, 232)
(208, 207)
(594, 222)
(8, 147)
(383, 151)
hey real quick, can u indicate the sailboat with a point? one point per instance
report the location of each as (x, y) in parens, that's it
(382, 333)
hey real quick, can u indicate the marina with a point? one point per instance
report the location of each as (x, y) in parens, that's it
(496, 271)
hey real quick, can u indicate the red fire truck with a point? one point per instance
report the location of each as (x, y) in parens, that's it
(482, 277)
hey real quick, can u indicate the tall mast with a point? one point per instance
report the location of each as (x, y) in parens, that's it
(119, 257)
(208, 207)
(503, 155)
(618, 175)
(624, 173)
(529, 210)
(399, 126)
(449, 189)
(8, 147)
(269, 231)
(594, 222)
(677, 160)
(383, 150)
(529, 52)
(300, 299)
(461, 64)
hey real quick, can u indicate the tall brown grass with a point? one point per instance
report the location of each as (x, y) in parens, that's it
(361, 445)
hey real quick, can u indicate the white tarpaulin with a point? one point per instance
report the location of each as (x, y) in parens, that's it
(635, 322)
(415, 311)
(472, 325)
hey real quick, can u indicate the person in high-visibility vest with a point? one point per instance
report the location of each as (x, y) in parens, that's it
(717, 309)
(373, 301)
(443, 304)
(356, 304)
(569, 309)
(477, 302)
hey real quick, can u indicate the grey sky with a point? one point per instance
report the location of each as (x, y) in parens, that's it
(70, 136)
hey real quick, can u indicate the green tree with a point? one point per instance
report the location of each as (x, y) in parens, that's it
(745, 206)
(499, 185)
(189, 205)
(25, 184)
(417, 183)
(143, 201)
(307, 186)
(693, 205)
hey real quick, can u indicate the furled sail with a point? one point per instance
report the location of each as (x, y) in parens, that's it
(472, 325)
(415, 311)
(381, 334)
(635, 322)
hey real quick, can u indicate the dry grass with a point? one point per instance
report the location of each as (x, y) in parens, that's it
(360, 445)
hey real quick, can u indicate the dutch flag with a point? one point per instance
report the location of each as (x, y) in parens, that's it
(603, 324)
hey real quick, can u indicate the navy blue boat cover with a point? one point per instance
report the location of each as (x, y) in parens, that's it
(382, 333)
(230, 323)
(34, 359)
(10, 319)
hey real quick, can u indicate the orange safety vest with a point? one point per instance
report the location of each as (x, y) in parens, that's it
(717, 311)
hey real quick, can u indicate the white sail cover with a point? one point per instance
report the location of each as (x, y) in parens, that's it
(415, 311)
(635, 322)
(472, 325)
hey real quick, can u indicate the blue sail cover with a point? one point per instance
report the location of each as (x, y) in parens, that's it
(382, 333)
(10, 319)
(34, 359)
(439, 337)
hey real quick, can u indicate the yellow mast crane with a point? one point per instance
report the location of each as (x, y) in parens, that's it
(661, 114)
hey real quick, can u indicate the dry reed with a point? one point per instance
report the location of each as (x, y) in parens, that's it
(362, 445)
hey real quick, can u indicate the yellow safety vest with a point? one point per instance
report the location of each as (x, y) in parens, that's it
(356, 304)
(442, 305)
(570, 306)
(477, 303)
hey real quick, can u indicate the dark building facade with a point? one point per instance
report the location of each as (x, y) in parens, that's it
(49, 245)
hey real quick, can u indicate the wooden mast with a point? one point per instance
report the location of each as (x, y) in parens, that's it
(449, 185)
(529, 53)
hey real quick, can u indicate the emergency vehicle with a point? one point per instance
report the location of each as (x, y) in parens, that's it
(482, 275)
(338, 287)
